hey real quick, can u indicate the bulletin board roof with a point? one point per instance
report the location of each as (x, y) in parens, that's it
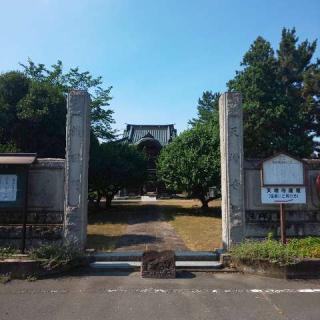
(18, 158)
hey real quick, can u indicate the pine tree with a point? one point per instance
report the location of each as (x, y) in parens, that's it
(281, 97)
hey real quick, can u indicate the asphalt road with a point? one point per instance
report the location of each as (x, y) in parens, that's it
(191, 296)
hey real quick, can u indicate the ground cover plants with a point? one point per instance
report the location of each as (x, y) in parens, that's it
(56, 256)
(274, 251)
(7, 252)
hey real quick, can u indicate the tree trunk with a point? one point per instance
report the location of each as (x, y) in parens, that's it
(108, 200)
(99, 196)
(204, 203)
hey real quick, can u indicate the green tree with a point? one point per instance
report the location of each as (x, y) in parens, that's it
(101, 115)
(33, 116)
(41, 126)
(33, 108)
(14, 86)
(114, 166)
(281, 95)
(208, 107)
(191, 162)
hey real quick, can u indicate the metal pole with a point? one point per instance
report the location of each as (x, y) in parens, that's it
(283, 224)
(25, 210)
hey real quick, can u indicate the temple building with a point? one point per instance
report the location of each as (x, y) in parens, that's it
(150, 139)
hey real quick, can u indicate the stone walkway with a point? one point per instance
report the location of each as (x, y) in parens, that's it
(150, 231)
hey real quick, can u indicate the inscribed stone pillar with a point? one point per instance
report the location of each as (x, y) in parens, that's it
(232, 184)
(76, 168)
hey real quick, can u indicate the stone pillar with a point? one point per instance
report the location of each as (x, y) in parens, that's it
(232, 184)
(76, 168)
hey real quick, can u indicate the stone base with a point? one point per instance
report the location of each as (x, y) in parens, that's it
(159, 265)
(22, 267)
(36, 235)
(304, 269)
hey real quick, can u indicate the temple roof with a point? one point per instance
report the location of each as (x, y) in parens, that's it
(163, 133)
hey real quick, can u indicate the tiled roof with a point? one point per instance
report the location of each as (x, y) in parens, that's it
(163, 133)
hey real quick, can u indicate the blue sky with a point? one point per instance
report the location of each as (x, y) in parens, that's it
(159, 56)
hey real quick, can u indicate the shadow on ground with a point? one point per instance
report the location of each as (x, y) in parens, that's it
(87, 271)
(109, 227)
(98, 241)
(133, 214)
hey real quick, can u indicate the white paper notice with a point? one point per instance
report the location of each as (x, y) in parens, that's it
(8, 187)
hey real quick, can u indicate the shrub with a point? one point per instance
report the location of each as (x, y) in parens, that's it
(6, 252)
(4, 278)
(54, 256)
(274, 251)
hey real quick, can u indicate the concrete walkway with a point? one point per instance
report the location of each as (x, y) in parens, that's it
(150, 231)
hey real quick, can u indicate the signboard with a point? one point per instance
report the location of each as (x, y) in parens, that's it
(8, 187)
(283, 180)
(282, 170)
(292, 194)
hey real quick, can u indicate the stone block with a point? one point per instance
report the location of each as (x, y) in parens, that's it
(159, 265)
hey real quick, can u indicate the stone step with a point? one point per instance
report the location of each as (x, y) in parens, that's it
(197, 256)
(116, 265)
(135, 265)
(118, 256)
(198, 265)
(137, 255)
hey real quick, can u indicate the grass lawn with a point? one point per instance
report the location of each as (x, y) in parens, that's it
(198, 233)
(199, 230)
(104, 229)
(103, 237)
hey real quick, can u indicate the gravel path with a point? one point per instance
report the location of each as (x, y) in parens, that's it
(150, 231)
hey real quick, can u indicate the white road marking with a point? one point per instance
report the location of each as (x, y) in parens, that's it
(173, 291)
(309, 290)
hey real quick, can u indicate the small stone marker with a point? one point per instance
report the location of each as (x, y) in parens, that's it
(159, 265)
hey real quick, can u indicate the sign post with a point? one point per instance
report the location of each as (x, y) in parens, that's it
(283, 224)
(283, 182)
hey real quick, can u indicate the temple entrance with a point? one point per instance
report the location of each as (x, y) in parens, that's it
(151, 217)
(128, 225)
(149, 140)
(167, 224)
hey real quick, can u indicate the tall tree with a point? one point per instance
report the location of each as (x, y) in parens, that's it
(114, 166)
(33, 108)
(208, 106)
(101, 115)
(32, 115)
(281, 97)
(191, 162)
(14, 86)
(208, 116)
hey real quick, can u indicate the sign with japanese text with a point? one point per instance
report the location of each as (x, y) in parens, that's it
(286, 194)
(283, 180)
(8, 187)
